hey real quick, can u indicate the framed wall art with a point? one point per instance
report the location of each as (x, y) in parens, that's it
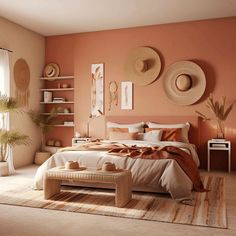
(97, 90)
(126, 95)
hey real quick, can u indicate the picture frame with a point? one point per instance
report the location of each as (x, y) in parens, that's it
(97, 89)
(126, 95)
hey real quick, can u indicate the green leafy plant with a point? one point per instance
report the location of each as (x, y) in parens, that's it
(45, 123)
(8, 104)
(220, 112)
(9, 138)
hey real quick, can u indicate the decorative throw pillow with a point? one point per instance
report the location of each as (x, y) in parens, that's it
(152, 136)
(134, 127)
(174, 134)
(123, 130)
(119, 130)
(184, 129)
(113, 135)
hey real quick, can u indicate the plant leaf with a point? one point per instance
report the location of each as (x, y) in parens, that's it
(45, 123)
(8, 104)
(202, 116)
(228, 110)
(13, 138)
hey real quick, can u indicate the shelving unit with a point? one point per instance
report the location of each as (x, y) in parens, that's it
(57, 78)
(55, 85)
(57, 89)
(59, 114)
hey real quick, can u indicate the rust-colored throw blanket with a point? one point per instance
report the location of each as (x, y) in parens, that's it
(185, 160)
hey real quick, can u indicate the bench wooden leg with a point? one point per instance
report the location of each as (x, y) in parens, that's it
(123, 192)
(51, 187)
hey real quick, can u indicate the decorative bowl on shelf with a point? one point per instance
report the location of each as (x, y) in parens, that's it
(65, 85)
(57, 143)
(50, 142)
(66, 110)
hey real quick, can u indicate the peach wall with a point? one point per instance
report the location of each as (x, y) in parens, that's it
(209, 43)
(30, 46)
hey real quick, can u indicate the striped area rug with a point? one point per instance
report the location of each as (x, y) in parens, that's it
(208, 208)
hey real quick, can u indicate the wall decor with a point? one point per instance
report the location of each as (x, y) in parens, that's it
(143, 66)
(51, 70)
(184, 82)
(97, 94)
(127, 95)
(22, 79)
(113, 94)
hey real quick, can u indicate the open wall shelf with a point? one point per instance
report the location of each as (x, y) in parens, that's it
(57, 78)
(59, 87)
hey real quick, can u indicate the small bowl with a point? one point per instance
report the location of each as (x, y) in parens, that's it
(65, 85)
(57, 143)
(50, 142)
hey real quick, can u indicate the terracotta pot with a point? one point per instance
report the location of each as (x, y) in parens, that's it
(4, 170)
(41, 157)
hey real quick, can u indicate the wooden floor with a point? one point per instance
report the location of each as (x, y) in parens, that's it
(19, 221)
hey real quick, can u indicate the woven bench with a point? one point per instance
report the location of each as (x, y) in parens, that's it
(122, 179)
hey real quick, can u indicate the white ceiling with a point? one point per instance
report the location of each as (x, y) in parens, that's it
(55, 17)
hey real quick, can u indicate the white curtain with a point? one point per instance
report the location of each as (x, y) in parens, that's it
(5, 89)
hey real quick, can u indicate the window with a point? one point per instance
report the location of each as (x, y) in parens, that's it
(4, 73)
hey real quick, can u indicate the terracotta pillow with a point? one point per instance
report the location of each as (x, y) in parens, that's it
(122, 130)
(113, 135)
(169, 134)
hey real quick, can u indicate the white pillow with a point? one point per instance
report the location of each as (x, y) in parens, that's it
(185, 128)
(135, 127)
(151, 136)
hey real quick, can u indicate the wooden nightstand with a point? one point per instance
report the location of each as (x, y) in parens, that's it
(219, 146)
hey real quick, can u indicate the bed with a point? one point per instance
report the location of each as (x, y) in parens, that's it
(162, 176)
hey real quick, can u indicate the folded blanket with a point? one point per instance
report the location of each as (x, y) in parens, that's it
(185, 160)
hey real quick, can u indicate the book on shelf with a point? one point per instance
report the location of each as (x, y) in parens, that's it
(59, 100)
(69, 123)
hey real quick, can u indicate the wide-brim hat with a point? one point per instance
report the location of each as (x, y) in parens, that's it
(142, 66)
(51, 70)
(184, 82)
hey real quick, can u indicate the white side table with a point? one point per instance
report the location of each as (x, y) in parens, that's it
(220, 146)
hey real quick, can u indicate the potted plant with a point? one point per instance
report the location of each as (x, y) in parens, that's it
(8, 138)
(220, 112)
(45, 124)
